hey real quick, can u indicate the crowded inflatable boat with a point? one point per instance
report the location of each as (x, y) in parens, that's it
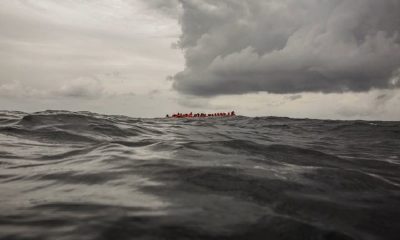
(201, 115)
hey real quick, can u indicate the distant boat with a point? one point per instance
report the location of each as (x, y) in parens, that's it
(201, 115)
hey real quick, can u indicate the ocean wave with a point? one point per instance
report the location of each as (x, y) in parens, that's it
(82, 175)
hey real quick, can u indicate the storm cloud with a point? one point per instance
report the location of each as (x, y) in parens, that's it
(288, 46)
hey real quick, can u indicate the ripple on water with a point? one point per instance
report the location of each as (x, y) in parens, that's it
(81, 175)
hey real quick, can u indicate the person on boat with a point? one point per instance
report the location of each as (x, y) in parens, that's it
(233, 113)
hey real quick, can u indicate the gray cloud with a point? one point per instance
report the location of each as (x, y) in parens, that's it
(169, 7)
(84, 49)
(294, 97)
(375, 104)
(90, 88)
(16, 89)
(288, 46)
(81, 88)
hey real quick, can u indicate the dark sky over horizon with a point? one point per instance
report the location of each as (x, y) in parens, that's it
(299, 58)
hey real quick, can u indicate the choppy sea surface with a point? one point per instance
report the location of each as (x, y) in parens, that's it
(81, 175)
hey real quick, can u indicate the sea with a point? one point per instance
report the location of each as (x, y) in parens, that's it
(81, 175)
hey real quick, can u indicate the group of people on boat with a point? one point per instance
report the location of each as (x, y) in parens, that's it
(199, 115)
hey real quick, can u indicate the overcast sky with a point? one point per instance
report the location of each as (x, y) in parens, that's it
(335, 59)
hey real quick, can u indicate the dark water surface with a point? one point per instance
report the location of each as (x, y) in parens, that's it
(66, 175)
